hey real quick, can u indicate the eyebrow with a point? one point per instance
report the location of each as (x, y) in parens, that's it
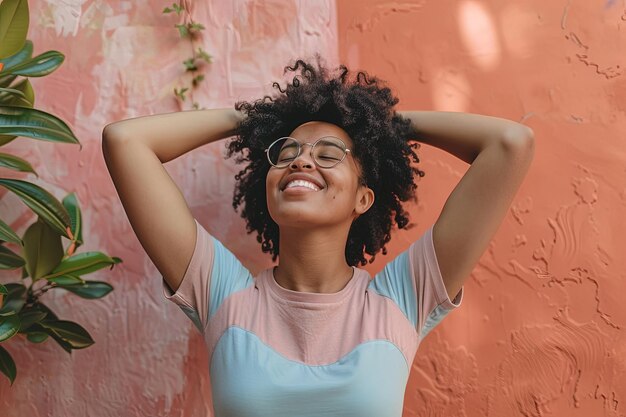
(288, 146)
(321, 137)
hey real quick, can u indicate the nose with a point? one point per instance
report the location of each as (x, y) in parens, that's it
(302, 161)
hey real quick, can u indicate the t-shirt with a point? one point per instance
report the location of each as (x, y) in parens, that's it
(283, 353)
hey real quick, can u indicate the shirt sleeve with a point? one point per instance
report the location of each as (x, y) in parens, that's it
(433, 302)
(413, 281)
(212, 275)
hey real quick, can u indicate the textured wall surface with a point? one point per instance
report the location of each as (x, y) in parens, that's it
(540, 332)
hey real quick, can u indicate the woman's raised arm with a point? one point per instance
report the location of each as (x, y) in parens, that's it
(135, 151)
(170, 135)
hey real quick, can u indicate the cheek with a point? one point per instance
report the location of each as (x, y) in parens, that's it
(342, 193)
(271, 180)
(271, 188)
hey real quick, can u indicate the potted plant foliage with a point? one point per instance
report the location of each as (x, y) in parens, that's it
(40, 253)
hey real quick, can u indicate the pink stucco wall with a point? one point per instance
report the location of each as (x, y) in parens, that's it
(540, 332)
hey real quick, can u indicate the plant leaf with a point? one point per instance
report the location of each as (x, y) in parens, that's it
(36, 124)
(7, 365)
(30, 317)
(43, 249)
(70, 202)
(20, 56)
(10, 91)
(67, 280)
(182, 29)
(8, 235)
(72, 333)
(38, 66)
(4, 139)
(14, 18)
(16, 163)
(82, 263)
(3, 290)
(6, 80)
(204, 55)
(41, 306)
(9, 326)
(10, 259)
(190, 64)
(61, 342)
(41, 202)
(36, 337)
(24, 86)
(90, 289)
(20, 94)
(50, 314)
(15, 298)
(196, 26)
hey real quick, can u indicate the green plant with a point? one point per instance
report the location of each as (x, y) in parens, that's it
(189, 29)
(45, 264)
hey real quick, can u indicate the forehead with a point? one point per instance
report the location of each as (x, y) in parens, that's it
(311, 131)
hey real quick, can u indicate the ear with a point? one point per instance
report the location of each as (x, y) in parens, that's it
(364, 200)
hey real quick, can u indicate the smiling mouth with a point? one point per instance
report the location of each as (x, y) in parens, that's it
(301, 184)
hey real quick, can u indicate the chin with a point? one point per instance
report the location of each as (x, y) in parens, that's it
(297, 219)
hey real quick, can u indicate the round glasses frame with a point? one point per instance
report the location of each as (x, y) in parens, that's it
(312, 145)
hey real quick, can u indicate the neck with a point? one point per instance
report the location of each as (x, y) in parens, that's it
(313, 260)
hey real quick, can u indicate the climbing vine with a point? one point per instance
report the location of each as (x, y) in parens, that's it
(194, 65)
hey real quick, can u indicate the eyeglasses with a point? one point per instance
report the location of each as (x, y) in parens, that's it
(326, 152)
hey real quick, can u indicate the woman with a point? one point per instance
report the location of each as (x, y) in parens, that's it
(328, 164)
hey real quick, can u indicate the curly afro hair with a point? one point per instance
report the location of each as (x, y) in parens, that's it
(364, 109)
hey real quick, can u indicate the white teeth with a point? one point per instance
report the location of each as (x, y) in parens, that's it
(302, 183)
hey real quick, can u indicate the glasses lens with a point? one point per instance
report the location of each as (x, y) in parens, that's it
(283, 151)
(329, 151)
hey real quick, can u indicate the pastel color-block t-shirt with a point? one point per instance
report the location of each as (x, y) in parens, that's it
(282, 353)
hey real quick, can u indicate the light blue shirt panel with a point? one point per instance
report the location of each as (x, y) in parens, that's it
(227, 276)
(394, 282)
(433, 319)
(253, 380)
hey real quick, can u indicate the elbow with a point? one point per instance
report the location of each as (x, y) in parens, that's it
(111, 133)
(111, 136)
(519, 138)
